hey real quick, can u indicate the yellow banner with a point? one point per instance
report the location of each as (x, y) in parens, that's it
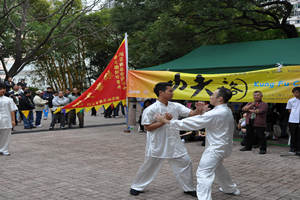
(276, 84)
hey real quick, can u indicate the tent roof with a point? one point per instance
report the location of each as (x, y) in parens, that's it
(236, 57)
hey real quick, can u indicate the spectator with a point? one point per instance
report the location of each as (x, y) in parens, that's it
(116, 110)
(272, 118)
(7, 121)
(108, 111)
(22, 84)
(283, 118)
(48, 95)
(26, 104)
(94, 111)
(293, 106)
(21, 91)
(67, 93)
(242, 128)
(58, 102)
(9, 84)
(16, 96)
(256, 121)
(147, 103)
(72, 114)
(39, 106)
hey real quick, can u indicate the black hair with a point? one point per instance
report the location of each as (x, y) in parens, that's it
(2, 86)
(27, 91)
(147, 101)
(257, 91)
(225, 93)
(296, 89)
(162, 86)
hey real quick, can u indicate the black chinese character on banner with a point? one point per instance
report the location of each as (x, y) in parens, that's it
(201, 85)
(177, 82)
(237, 87)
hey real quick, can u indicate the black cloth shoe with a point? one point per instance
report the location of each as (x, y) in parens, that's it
(192, 193)
(134, 192)
(245, 149)
(262, 152)
(51, 128)
(298, 153)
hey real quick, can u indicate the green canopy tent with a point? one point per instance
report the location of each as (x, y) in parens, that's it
(236, 57)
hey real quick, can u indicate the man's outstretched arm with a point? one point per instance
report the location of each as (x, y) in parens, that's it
(190, 123)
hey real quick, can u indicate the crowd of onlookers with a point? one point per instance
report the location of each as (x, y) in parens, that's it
(42, 103)
(45, 103)
(260, 121)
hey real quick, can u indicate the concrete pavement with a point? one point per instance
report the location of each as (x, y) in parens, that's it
(100, 163)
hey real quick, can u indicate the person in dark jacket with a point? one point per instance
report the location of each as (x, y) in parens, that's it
(146, 103)
(9, 84)
(26, 105)
(72, 114)
(48, 95)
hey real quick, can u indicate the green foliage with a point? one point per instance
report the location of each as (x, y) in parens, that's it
(160, 31)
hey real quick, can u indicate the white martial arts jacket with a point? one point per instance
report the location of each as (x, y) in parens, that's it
(219, 126)
(7, 106)
(164, 142)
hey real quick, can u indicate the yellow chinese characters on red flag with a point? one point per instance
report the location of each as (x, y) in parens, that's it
(109, 88)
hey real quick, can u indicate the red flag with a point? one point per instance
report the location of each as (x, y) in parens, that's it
(109, 88)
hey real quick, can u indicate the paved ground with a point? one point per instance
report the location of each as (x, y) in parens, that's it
(100, 163)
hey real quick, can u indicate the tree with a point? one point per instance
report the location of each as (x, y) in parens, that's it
(160, 31)
(260, 15)
(79, 58)
(31, 26)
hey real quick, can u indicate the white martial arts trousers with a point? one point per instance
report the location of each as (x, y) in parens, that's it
(211, 166)
(4, 139)
(182, 168)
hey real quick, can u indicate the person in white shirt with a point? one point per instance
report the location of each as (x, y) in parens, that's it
(219, 125)
(293, 106)
(163, 143)
(39, 107)
(7, 120)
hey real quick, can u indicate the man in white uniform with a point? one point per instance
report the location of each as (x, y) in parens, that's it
(219, 126)
(164, 143)
(293, 106)
(7, 120)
